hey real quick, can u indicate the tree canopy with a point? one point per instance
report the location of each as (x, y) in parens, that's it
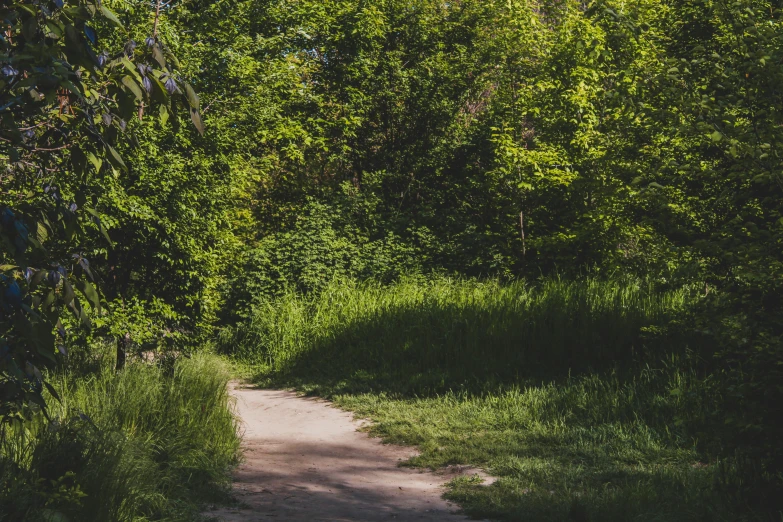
(72, 79)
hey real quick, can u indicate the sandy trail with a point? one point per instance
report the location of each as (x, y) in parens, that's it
(305, 460)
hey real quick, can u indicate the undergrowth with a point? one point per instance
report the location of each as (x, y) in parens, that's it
(146, 443)
(429, 335)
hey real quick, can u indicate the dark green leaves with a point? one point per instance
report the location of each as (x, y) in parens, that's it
(111, 16)
(89, 291)
(196, 119)
(131, 84)
(191, 96)
(157, 55)
(115, 158)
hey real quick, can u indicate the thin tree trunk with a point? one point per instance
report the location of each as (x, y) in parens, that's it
(122, 351)
(522, 232)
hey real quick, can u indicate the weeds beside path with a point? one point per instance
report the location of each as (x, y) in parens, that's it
(149, 443)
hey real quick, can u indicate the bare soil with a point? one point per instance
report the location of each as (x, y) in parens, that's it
(305, 460)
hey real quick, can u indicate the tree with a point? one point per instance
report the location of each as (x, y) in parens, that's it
(70, 80)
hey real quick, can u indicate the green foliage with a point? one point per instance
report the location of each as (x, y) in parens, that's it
(62, 107)
(317, 249)
(454, 119)
(355, 140)
(141, 444)
(526, 137)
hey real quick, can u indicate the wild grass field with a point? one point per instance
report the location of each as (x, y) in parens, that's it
(147, 443)
(572, 393)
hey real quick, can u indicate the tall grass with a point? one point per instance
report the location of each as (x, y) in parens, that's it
(146, 443)
(441, 332)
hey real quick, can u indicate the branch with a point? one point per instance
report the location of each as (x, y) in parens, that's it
(157, 18)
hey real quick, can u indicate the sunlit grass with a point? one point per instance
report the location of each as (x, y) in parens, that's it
(588, 448)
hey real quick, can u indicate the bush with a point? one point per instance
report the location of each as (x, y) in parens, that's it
(318, 248)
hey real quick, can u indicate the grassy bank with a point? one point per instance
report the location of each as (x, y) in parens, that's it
(147, 443)
(574, 394)
(430, 335)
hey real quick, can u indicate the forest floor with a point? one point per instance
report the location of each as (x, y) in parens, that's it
(306, 460)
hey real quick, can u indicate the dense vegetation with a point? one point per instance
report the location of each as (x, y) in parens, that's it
(423, 336)
(454, 201)
(143, 444)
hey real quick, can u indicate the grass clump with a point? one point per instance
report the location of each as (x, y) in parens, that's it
(577, 395)
(145, 443)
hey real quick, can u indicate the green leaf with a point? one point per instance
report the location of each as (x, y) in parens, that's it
(86, 288)
(68, 84)
(68, 293)
(81, 314)
(115, 158)
(197, 122)
(49, 300)
(192, 96)
(128, 82)
(131, 68)
(55, 28)
(157, 54)
(52, 391)
(99, 222)
(96, 162)
(37, 278)
(111, 16)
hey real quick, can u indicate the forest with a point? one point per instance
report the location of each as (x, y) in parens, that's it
(543, 237)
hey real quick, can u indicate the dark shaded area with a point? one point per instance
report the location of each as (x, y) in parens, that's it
(434, 347)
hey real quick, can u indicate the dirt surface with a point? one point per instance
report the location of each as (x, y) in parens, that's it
(305, 460)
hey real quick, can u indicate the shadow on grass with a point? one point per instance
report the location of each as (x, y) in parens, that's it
(549, 389)
(431, 347)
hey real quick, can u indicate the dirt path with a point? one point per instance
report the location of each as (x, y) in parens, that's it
(304, 460)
